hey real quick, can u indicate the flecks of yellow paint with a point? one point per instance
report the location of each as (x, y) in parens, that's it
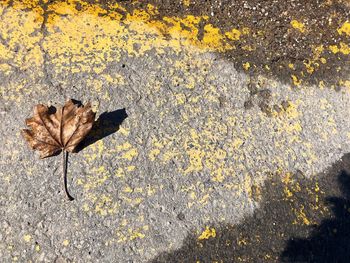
(213, 37)
(124, 131)
(237, 143)
(131, 168)
(138, 234)
(323, 60)
(63, 8)
(296, 81)
(345, 28)
(195, 153)
(321, 84)
(180, 98)
(291, 66)
(309, 68)
(186, 2)
(115, 78)
(153, 154)
(131, 234)
(86, 207)
(127, 151)
(302, 216)
(345, 84)
(242, 242)
(343, 48)
(245, 30)
(246, 65)
(96, 150)
(248, 48)
(234, 34)
(298, 25)
(127, 189)
(207, 233)
(130, 154)
(96, 178)
(37, 248)
(124, 146)
(105, 205)
(27, 238)
(324, 104)
(65, 242)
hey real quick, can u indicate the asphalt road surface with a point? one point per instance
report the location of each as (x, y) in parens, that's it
(222, 132)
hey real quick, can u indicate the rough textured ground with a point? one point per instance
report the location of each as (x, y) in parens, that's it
(223, 131)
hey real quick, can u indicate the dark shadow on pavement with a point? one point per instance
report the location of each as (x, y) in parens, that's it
(107, 124)
(329, 241)
(288, 208)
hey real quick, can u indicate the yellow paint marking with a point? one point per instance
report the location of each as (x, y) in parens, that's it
(237, 143)
(131, 168)
(291, 66)
(65, 242)
(207, 233)
(342, 48)
(246, 65)
(104, 205)
(234, 34)
(37, 248)
(298, 25)
(345, 28)
(186, 2)
(296, 81)
(27, 238)
(129, 155)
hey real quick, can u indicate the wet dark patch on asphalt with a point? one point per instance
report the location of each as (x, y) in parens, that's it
(318, 232)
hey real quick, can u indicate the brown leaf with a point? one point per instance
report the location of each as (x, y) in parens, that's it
(50, 133)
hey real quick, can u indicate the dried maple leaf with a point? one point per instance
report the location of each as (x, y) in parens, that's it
(51, 132)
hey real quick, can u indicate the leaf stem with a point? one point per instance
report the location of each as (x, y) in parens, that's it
(64, 164)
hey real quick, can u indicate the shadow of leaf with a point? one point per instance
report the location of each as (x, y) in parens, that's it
(107, 124)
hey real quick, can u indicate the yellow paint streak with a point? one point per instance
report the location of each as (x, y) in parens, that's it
(102, 38)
